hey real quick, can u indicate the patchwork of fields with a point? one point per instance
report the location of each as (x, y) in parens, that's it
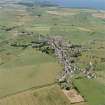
(46, 95)
(24, 68)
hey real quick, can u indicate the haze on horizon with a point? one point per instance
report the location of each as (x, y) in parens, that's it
(95, 4)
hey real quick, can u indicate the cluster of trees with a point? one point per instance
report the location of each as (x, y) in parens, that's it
(5, 28)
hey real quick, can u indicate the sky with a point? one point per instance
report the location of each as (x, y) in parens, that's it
(97, 4)
(82, 3)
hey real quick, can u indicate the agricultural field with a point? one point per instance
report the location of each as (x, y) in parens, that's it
(48, 95)
(27, 75)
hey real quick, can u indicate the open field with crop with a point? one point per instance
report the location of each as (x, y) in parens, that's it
(22, 68)
(29, 69)
(48, 95)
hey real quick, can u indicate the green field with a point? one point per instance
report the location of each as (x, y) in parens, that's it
(24, 68)
(93, 91)
(31, 68)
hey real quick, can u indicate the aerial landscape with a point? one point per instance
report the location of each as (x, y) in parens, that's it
(52, 52)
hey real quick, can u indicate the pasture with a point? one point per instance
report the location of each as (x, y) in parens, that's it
(31, 68)
(43, 96)
(93, 91)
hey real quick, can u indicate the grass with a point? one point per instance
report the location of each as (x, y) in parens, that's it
(44, 96)
(49, 96)
(93, 91)
(30, 68)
